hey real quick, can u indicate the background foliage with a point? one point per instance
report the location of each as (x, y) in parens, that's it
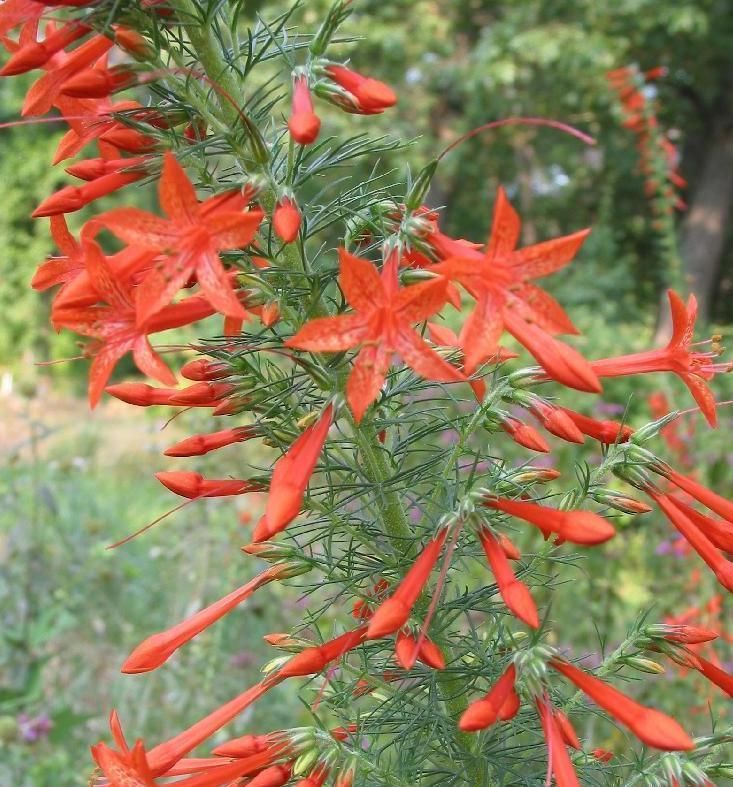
(69, 607)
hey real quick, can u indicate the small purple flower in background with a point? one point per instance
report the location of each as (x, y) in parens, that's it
(610, 408)
(33, 728)
(243, 659)
(664, 547)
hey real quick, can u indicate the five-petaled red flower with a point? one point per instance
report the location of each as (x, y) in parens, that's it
(383, 324)
(193, 236)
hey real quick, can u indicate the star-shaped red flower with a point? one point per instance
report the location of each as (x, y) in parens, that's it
(192, 238)
(382, 325)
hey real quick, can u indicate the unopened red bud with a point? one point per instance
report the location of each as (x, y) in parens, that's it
(202, 394)
(73, 198)
(133, 43)
(304, 124)
(201, 369)
(286, 220)
(201, 444)
(98, 83)
(141, 394)
(525, 435)
(191, 485)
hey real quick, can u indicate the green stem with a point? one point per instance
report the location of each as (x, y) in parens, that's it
(378, 471)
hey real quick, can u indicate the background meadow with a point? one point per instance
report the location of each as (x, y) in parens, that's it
(72, 482)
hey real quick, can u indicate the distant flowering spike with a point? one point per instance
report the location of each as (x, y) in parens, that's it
(578, 527)
(482, 713)
(201, 444)
(304, 124)
(192, 485)
(395, 611)
(515, 593)
(650, 726)
(290, 478)
(286, 220)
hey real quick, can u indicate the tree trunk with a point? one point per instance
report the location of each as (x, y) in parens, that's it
(704, 227)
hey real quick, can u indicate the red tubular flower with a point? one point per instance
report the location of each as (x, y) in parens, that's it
(688, 635)
(158, 648)
(314, 660)
(202, 394)
(499, 279)
(696, 538)
(370, 95)
(407, 652)
(722, 679)
(650, 726)
(316, 778)
(274, 776)
(693, 368)
(72, 198)
(60, 270)
(561, 362)
(113, 324)
(141, 394)
(608, 432)
(133, 43)
(393, 613)
(286, 220)
(162, 757)
(195, 233)
(719, 531)
(245, 746)
(304, 124)
(128, 767)
(560, 762)
(524, 434)
(99, 82)
(290, 478)
(566, 729)
(35, 54)
(578, 527)
(556, 421)
(515, 593)
(702, 494)
(200, 444)
(382, 325)
(95, 168)
(482, 713)
(194, 485)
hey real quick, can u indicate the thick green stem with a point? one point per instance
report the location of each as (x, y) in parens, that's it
(378, 472)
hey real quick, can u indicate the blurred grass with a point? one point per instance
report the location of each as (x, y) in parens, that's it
(72, 610)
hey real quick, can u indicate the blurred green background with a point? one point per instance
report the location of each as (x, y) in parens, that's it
(71, 482)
